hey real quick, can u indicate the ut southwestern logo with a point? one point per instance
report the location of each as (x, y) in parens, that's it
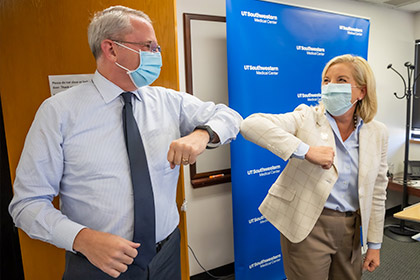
(260, 219)
(265, 262)
(351, 30)
(311, 50)
(264, 171)
(262, 70)
(260, 18)
(310, 97)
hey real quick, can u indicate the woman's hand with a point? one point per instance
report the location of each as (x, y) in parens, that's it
(321, 155)
(371, 260)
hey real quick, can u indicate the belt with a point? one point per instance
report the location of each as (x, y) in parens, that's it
(160, 244)
(331, 212)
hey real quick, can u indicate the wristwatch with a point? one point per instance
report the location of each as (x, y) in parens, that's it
(209, 131)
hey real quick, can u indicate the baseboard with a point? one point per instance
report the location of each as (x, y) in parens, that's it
(220, 271)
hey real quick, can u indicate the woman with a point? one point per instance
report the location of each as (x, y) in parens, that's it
(336, 175)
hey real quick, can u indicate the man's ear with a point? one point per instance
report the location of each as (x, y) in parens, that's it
(108, 50)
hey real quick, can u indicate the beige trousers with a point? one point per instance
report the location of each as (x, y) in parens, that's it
(331, 251)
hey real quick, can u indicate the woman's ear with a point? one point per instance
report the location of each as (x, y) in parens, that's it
(362, 93)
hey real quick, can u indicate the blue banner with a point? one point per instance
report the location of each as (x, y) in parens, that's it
(276, 54)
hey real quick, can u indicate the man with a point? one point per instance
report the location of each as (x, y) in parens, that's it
(80, 147)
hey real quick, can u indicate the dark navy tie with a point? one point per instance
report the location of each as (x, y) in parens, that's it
(144, 206)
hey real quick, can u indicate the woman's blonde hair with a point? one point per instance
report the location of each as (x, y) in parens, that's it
(363, 75)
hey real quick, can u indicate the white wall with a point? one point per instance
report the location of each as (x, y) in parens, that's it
(209, 213)
(392, 37)
(417, 26)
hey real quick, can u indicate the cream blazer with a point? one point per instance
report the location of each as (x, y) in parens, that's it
(295, 201)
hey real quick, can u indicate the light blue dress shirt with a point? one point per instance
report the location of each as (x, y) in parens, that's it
(75, 148)
(344, 196)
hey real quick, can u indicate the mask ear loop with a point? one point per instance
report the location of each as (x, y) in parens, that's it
(357, 99)
(124, 46)
(125, 68)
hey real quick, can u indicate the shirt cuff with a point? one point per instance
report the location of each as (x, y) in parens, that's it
(225, 131)
(372, 245)
(65, 233)
(301, 151)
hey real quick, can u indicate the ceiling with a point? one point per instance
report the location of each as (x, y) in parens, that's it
(405, 5)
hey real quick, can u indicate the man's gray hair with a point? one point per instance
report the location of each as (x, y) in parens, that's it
(111, 23)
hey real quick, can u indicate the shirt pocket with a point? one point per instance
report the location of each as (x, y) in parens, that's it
(282, 192)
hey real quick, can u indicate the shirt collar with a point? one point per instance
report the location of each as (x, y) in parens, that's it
(107, 89)
(330, 119)
(334, 126)
(359, 123)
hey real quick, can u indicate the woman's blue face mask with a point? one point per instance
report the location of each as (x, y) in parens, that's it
(148, 70)
(337, 98)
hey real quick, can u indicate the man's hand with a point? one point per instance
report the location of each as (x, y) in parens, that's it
(371, 261)
(185, 150)
(321, 155)
(110, 253)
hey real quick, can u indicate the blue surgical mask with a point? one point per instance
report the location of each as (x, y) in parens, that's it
(337, 98)
(148, 70)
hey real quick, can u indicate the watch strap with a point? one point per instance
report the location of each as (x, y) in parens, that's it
(209, 131)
